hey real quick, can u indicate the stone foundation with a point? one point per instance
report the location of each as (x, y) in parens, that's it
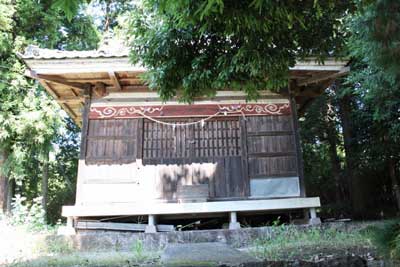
(98, 240)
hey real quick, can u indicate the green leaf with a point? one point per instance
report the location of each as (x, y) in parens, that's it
(69, 7)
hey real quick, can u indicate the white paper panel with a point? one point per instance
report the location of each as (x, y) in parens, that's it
(275, 187)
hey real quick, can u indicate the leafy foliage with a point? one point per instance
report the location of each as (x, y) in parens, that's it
(30, 121)
(193, 48)
(63, 170)
(387, 239)
(30, 216)
(373, 92)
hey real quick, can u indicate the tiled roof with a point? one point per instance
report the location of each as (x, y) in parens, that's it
(105, 51)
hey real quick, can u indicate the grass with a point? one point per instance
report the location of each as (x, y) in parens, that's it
(20, 247)
(109, 259)
(287, 242)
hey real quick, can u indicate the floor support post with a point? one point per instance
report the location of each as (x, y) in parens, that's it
(233, 224)
(68, 229)
(151, 225)
(314, 220)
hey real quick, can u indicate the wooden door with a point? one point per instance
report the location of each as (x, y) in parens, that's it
(211, 152)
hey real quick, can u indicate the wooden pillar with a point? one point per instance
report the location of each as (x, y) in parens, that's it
(85, 120)
(314, 220)
(313, 213)
(84, 132)
(70, 222)
(233, 224)
(299, 155)
(151, 225)
(68, 229)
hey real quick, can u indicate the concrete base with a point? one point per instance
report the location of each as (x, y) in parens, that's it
(150, 229)
(66, 230)
(151, 226)
(234, 226)
(314, 221)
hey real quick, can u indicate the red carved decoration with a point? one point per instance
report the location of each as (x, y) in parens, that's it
(198, 110)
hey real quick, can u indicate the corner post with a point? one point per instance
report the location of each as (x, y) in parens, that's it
(299, 154)
(87, 94)
(233, 224)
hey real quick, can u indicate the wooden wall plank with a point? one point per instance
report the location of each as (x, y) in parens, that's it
(112, 141)
(244, 150)
(225, 153)
(270, 167)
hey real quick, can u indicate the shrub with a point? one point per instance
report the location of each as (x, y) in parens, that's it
(31, 216)
(387, 239)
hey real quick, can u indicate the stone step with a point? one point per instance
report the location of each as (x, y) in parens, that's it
(204, 254)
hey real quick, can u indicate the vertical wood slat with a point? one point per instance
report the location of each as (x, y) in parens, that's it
(219, 181)
(245, 159)
(218, 138)
(139, 139)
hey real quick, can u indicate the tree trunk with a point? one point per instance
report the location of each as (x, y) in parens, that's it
(45, 181)
(335, 162)
(10, 194)
(394, 181)
(3, 182)
(355, 186)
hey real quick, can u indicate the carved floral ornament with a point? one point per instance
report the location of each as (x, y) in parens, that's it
(200, 110)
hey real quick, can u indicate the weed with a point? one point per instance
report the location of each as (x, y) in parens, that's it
(287, 241)
(53, 245)
(138, 250)
(387, 238)
(31, 215)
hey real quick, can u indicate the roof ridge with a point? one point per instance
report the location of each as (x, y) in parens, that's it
(106, 51)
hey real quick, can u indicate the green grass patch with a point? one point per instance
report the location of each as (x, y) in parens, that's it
(288, 242)
(109, 259)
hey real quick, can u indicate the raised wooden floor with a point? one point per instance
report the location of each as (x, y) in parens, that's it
(190, 208)
(152, 210)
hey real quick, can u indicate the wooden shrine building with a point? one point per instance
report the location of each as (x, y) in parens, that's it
(219, 155)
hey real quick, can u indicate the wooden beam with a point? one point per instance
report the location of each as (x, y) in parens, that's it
(70, 100)
(135, 227)
(129, 88)
(52, 79)
(323, 77)
(100, 89)
(114, 80)
(67, 109)
(122, 81)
